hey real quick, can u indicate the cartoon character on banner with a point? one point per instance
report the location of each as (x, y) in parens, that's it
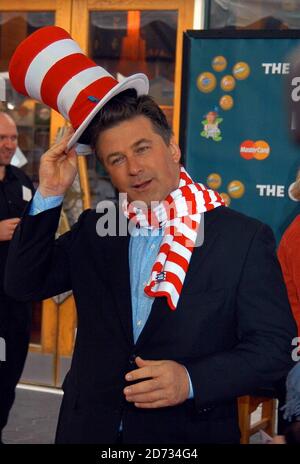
(211, 126)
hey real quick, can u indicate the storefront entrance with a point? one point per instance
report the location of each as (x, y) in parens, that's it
(125, 37)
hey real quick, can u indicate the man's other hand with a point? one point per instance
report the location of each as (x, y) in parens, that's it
(7, 228)
(166, 384)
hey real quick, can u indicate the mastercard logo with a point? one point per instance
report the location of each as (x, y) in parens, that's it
(259, 150)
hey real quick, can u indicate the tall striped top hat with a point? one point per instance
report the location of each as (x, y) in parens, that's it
(50, 67)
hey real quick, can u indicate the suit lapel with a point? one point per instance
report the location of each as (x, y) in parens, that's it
(117, 257)
(119, 280)
(158, 311)
(160, 307)
(200, 253)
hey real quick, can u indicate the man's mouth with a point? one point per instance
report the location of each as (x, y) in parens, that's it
(142, 185)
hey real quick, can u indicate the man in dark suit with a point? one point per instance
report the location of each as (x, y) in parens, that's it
(169, 334)
(16, 190)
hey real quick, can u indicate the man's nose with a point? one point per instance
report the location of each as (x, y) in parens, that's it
(134, 166)
(9, 143)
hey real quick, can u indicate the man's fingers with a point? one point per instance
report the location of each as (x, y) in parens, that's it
(140, 362)
(143, 373)
(151, 397)
(59, 149)
(142, 387)
(11, 220)
(72, 157)
(162, 403)
(167, 385)
(14, 220)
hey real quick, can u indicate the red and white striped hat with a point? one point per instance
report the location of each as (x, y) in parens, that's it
(50, 67)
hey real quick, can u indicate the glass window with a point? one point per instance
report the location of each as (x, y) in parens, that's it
(127, 42)
(31, 117)
(254, 14)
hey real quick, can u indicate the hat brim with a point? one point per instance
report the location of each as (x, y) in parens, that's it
(139, 82)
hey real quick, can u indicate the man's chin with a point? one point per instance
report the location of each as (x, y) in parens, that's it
(145, 200)
(5, 162)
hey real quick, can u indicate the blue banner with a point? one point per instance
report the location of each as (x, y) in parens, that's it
(235, 124)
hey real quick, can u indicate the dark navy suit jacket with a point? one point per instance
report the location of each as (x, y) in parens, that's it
(232, 328)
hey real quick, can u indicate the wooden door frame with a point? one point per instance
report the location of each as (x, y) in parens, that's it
(185, 8)
(73, 16)
(63, 10)
(54, 321)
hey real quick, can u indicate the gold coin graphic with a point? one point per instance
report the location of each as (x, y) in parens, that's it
(219, 63)
(226, 102)
(214, 181)
(226, 198)
(206, 82)
(228, 83)
(236, 189)
(241, 70)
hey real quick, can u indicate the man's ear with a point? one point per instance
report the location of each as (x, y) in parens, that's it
(175, 150)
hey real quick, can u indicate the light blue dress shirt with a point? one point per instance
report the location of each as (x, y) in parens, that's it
(40, 203)
(143, 249)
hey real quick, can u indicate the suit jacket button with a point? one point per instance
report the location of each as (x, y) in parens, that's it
(132, 358)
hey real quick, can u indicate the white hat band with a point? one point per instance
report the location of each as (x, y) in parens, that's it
(75, 85)
(44, 61)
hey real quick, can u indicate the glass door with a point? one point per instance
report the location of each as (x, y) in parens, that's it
(126, 37)
(53, 320)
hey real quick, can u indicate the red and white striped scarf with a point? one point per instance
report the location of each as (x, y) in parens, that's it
(179, 214)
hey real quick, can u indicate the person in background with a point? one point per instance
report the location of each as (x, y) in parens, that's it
(291, 410)
(289, 258)
(16, 190)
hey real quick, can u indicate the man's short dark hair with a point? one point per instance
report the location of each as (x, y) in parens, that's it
(124, 107)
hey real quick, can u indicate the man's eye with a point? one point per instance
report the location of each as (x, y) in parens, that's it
(116, 160)
(143, 149)
(13, 138)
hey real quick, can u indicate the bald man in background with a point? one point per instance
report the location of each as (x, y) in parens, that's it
(16, 190)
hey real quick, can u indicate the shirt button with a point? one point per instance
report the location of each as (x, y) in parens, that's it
(152, 247)
(139, 323)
